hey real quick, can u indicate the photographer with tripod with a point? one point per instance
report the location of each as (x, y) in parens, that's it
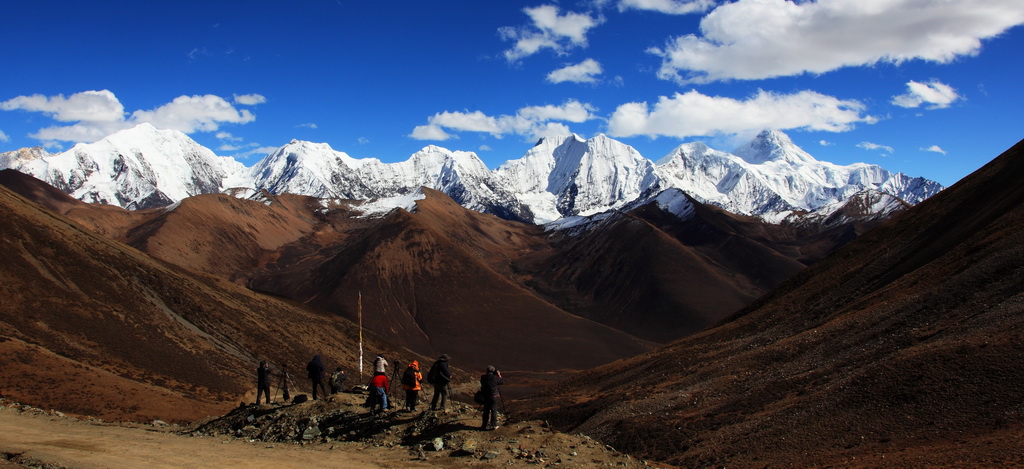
(263, 381)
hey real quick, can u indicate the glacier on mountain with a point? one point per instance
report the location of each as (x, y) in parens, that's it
(136, 168)
(558, 178)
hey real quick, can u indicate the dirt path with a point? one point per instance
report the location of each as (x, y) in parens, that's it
(43, 439)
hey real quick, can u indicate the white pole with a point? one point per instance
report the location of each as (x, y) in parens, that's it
(359, 312)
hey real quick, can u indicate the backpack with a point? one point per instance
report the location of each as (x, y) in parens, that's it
(432, 374)
(409, 377)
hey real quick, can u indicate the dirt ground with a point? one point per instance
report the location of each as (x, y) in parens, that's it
(37, 438)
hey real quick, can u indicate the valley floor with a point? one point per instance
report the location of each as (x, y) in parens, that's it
(32, 437)
(43, 440)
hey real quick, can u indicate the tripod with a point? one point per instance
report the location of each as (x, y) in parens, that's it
(282, 384)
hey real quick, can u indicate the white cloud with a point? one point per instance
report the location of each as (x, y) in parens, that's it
(549, 30)
(938, 95)
(934, 149)
(87, 106)
(430, 132)
(250, 99)
(583, 72)
(485, 148)
(694, 114)
(755, 39)
(308, 125)
(531, 122)
(672, 7)
(194, 113)
(875, 146)
(4, 137)
(228, 137)
(253, 150)
(97, 114)
(825, 143)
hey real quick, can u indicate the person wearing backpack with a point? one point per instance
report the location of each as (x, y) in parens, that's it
(411, 383)
(337, 380)
(440, 377)
(315, 372)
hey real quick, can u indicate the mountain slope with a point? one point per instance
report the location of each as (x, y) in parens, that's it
(904, 348)
(94, 327)
(428, 284)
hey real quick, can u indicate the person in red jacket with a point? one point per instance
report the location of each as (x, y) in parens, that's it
(379, 394)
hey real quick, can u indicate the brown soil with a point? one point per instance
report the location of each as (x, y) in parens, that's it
(32, 437)
(906, 348)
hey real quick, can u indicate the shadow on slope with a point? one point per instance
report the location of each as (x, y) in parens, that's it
(432, 281)
(152, 341)
(906, 347)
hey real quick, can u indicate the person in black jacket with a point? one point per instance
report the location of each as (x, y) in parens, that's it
(263, 381)
(441, 378)
(315, 371)
(489, 383)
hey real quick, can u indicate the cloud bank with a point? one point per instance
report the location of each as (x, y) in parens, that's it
(96, 114)
(549, 30)
(530, 122)
(758, 39)
(693, 114)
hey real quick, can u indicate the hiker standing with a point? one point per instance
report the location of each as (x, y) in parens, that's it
(379, 388)
(315, 372)
(337, 380)
(411, 383)
(441, 378)
(489, 383)
(263, 381)
(380, 365)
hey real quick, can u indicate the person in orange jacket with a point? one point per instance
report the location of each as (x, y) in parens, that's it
(411, 383)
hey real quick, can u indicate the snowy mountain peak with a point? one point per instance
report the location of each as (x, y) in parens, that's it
(559, 177)
(772, 145)
(135, 168)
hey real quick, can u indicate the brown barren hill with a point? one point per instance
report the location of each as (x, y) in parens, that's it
(654, 275)
(905, 348)
(435, 281)
(94, 327)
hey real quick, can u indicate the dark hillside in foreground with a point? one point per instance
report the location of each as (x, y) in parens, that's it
(905, 348)
(93, 327)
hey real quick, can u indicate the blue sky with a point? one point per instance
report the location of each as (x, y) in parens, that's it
(927, 87)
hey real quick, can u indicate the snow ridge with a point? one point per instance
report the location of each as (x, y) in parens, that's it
(558, 178)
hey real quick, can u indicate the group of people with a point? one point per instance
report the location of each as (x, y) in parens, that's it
(439, 376)
(412, 382)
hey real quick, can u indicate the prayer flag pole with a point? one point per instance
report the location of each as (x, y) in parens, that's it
(359, 313)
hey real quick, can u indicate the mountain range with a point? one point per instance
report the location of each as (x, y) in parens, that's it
(876, 330)
(770, 177)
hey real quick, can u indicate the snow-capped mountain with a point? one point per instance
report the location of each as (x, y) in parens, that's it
(769, 177)
(136, 168)
(567, 176)
(770, 174)
(318, 170)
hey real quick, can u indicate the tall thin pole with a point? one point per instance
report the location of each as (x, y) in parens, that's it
(359, 313)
